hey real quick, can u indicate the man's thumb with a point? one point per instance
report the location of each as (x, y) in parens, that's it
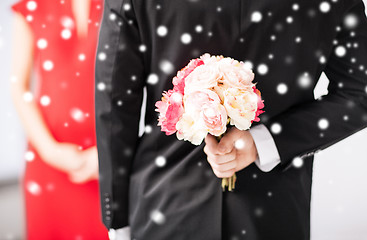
(225, 145)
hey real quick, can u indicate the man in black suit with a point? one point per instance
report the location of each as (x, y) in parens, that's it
(164, 188)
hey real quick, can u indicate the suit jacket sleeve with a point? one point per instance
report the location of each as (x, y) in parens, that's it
(119, 82)
(310, 127)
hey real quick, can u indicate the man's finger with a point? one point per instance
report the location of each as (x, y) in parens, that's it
(227, 142)
(225, 166)
(211, 144)
(225, 174)
(222, 158)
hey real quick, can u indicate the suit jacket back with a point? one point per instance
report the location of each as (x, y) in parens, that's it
(289, 44)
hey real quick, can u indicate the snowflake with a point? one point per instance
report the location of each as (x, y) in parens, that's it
(67, 22)
(248, 64)
(340, 51)
(66, 34)
(311, 13)
(297, 162)
(276, 128)
(148, 129)
(77, 114)
(127, 7)
(42, 43)
(256, 16)
(351, 21)
(162, 31)
(186, 38)
(289, 19)
(259, 212)
(262, 69)
(27, 96)
(102, 56)
(101, 86)
(31, 5)
(282, 88)
(295, 7)
(322, 59)
(323, 123)
(45, 100)
(29, 156)
(160, 161)
(239, 144)
(81, 57)
(304, 80)
(153, 79)
(48, 65)
(198, 28)
(142, 48)
(324, 7)
(113, 17)
(29, 18)
(166, 66)
(157, 217)
(34, 188)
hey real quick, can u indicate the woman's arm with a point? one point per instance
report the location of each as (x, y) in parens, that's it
(63, 156)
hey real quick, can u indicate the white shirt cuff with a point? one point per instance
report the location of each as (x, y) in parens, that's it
(120, 234)
(268, 155)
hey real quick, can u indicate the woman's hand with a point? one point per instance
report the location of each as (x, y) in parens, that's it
(80, 165)
(235, 151)
(66, 157)
(89, 170)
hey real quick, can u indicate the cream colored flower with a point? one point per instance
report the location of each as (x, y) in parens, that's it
(191, 129)
(203, 77)
(241, 106)
(235, 74)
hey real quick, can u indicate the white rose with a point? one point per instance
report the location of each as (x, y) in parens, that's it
(241, 106)
(203, 77)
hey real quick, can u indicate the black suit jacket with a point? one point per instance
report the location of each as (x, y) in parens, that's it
(290, 43)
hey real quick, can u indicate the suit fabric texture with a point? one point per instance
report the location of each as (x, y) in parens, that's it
(289, 44)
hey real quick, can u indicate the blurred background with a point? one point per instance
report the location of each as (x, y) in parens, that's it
(339, 186)
(12, 140)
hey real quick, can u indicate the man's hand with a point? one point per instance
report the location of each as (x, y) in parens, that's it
(235, 151)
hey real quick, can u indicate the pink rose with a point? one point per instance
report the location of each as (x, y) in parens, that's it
(203, 113)
(215, 118)
(179, 80)
(260, 104)
(170, 109)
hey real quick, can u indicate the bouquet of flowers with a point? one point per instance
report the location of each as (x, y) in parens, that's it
(209, 94)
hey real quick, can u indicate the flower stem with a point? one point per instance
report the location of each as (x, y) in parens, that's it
(229, 182)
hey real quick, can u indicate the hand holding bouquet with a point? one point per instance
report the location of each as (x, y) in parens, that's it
(210, 93)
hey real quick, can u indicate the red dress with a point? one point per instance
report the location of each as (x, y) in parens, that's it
(64, 92)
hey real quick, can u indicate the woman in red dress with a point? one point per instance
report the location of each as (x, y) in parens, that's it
(56, 41)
